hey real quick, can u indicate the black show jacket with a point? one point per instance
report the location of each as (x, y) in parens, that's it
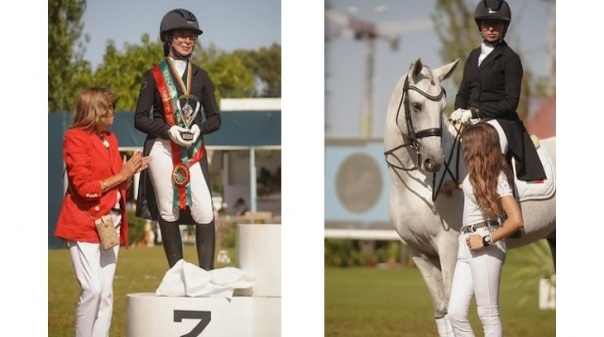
(494, 89)
(149, 118)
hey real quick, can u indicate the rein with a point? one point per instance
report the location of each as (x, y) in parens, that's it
(413, 136)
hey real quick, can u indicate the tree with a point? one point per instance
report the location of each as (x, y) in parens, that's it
(231, 78)
(265, 65)
(123, 71)
(457, 30)
(66, 66)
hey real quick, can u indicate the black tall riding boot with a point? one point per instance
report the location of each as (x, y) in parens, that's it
(170, 232)
(205, 242)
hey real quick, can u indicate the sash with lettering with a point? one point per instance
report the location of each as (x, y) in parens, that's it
(182, 158)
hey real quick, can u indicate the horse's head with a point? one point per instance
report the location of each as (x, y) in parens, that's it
(417, 106)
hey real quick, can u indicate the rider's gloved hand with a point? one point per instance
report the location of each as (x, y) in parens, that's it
(461, 115)
(174, 133)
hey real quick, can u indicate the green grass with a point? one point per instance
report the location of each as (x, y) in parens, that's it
(363, 302)
(139, 269)
(358, 301)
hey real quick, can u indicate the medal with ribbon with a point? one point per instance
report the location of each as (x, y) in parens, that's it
(182, 158)
(183, 104)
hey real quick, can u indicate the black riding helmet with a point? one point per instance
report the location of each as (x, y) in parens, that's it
(178, 19)
(493, 10)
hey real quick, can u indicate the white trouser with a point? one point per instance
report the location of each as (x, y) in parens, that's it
(477, 274)
(160, 172)
(503, 140)
(94, 268)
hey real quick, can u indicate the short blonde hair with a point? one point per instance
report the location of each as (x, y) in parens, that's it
(91, 107)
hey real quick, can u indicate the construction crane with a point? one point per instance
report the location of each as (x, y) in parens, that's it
(348, 26)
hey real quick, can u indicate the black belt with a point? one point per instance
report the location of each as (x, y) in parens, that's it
(474, 227)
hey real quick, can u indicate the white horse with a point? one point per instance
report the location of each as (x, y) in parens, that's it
(421, 150)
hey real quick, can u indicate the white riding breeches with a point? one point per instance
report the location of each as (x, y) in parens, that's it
(503, 140)
(477, 274)
(160, 172)
(94, 268)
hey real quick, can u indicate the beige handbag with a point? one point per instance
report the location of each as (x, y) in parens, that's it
(106, 230)
(104, 227)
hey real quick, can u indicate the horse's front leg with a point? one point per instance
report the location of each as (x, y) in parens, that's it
(430, 268)
(448, 259)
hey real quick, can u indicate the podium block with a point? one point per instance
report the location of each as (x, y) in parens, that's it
(148, 315)
(259, 254)
(258, 315)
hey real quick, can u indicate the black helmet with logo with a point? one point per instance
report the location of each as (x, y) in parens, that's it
(493, 10)
(178, 19)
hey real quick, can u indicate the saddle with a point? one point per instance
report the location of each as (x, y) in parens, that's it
(537, 190)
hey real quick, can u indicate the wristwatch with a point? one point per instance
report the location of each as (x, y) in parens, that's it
(487, 240)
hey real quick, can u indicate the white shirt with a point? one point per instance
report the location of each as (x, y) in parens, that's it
(472, 213)
(180, 66)
(485, 49)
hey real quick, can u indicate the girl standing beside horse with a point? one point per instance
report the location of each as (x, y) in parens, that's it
(482, 245)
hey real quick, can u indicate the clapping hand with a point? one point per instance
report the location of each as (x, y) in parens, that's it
(135, 164)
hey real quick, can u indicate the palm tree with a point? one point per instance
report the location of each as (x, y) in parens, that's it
(538, 266)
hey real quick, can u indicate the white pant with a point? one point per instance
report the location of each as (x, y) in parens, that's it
(160, 171)
(477, 274)
(94, 268)
(503, 140)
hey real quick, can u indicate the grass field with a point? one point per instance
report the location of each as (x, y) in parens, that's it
(138, 270)
(362, 302)
(359, 302)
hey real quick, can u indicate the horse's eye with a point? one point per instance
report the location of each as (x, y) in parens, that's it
(416, 106)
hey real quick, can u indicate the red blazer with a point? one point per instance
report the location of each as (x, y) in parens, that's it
(88, 162)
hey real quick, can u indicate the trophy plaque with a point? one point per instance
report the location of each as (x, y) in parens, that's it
(187, 114)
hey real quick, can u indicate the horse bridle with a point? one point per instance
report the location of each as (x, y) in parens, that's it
(413, 135)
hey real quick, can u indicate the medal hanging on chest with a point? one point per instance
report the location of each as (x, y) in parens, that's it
(177, 110)
(185, 112)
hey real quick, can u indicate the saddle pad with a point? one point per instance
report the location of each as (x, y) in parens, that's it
(536, 191)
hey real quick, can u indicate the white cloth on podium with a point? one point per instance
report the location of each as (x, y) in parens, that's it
(187, 279)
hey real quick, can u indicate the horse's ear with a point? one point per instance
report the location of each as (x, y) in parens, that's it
(445, 71)
(416, 68)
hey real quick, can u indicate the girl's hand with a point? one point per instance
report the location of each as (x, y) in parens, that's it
(474, 242)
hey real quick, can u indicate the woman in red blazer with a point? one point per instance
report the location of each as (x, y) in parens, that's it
(98, 183)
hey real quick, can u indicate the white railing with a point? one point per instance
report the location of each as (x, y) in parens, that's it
(363, 234)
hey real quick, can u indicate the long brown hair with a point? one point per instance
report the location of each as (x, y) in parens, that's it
(485, 161)
(91, 108)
